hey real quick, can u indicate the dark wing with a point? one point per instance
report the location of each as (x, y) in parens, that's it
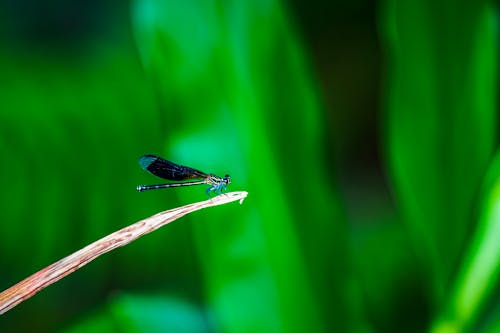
(168, 170)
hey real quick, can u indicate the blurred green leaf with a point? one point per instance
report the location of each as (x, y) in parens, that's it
(239, 96)
(390, 280)
(139, 313)
(479, 274)
(158, 314)
(100, 321)
(439, 122)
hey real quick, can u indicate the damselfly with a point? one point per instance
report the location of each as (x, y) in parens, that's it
(175, 172)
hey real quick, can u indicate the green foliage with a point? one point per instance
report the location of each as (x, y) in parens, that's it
(132, 313)
(228, 87)
(478, 277)
(249, 78)
(440, 133)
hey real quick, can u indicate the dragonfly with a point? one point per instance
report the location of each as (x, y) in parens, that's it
(165, 169)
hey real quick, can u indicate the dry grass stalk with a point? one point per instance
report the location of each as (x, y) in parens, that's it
(28, 287)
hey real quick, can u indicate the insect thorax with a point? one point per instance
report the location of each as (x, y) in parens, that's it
(213, 179)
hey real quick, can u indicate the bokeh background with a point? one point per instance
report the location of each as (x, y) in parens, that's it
(364, 132)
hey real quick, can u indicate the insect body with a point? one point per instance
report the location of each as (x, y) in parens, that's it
(175, 172)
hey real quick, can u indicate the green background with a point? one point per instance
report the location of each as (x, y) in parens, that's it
(364, 132)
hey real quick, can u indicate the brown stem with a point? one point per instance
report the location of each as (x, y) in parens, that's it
(28, 287)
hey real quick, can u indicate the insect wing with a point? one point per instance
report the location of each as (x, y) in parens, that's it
(168, 170)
